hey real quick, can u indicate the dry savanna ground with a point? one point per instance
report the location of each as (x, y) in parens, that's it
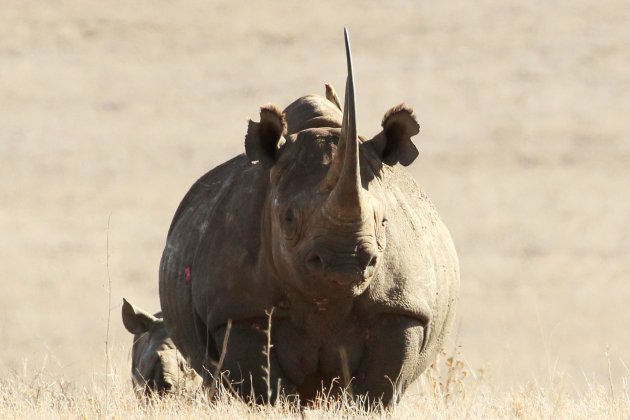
(109, 111)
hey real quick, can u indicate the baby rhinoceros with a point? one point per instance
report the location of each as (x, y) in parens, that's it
(157, 367)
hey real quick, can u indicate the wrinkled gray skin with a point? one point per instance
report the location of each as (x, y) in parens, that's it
(157, 367)
(327, 229)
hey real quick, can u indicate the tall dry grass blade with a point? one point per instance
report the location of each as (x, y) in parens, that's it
(109, 311)
(610, 379)
(267, 353)
(345, 370)
(217, 376)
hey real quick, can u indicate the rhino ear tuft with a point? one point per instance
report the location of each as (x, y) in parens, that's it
(136, 320)
(394, 143)
(264, 139)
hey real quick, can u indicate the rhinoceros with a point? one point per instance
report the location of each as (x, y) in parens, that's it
(316, 240)
(157, 367)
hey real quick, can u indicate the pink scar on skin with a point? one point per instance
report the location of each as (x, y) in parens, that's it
(187, 275)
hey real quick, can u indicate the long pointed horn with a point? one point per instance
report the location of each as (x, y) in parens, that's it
(345, 200)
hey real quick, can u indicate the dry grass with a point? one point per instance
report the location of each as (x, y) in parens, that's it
(447, 390)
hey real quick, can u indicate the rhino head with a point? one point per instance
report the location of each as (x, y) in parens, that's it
(326, 227)
(157, 367)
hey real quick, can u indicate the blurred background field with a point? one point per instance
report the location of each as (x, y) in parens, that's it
(110, 111)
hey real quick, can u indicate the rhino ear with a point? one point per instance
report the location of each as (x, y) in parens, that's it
(394, 143)
(264, 139)
(331, 95)
(136, 320)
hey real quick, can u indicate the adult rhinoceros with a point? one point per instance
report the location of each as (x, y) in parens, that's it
(324, 227)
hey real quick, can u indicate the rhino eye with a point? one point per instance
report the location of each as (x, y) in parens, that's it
(384, 222)
(289, 216)
(290, 224)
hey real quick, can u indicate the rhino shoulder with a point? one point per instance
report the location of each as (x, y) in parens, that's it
(420, 266)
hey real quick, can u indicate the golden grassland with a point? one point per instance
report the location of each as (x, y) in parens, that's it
(447, 390)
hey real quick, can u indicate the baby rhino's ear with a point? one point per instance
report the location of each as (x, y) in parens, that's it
(136, 320)
(394, 143)
(264, 139)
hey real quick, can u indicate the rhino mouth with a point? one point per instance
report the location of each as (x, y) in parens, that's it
(337, 286)
(343, 279)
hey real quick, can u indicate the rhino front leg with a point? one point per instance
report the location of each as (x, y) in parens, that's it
(392, 360)
(245, 362)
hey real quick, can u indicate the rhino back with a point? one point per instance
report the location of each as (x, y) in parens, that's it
(208, 262)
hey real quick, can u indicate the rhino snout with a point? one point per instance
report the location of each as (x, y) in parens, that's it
(341, 270)
(164, 386)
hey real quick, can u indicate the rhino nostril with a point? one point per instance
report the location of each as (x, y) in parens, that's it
(367, 259)
(337, 282)
(315, 263)
(372, 262)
